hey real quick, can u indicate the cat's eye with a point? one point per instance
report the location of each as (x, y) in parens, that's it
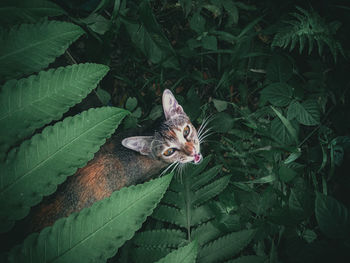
(186, 131)
(169, 151)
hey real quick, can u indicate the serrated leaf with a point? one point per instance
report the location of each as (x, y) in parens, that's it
(292, 131)
(205, 233)
(186, 254)
(104, 227)
(30, 48)
(209, 191)
(306, 113)
(280, 132)
(28, 104)
(332, 217)
(159, 238)
(36, 168)
(170, 214)
(204, 178)
(27, 11)
(226, 246)
(278, 94)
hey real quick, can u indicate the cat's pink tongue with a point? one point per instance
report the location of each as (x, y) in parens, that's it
(197, 158)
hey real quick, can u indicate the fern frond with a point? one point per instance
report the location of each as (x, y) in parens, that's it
(170, 215)
(36, 168)
(161, 238)
(205, 177)
(96, 233)
(205, 233)
(308, 27)
(209, 191)
(186, 254)
(28, 104)
(226, 246)
(30, 48)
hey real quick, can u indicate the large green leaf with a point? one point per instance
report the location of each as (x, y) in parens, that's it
(226, 246)
(149, 38)
(288, 125)
(36, 168)
(306, 113)
(30, 103)
(96, 233)
(160, 238)
(278, 94)
(332, 217)
(184, 254)
(30, 48)
(22, 11)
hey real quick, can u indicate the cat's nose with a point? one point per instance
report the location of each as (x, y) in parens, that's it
(197, 158)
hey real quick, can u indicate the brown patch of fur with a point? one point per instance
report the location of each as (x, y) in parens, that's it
(188, 148)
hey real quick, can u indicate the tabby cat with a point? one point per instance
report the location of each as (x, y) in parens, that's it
(113, 167)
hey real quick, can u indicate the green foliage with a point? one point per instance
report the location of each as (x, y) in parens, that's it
(105, 226)
(278, 175)
(184, 254)
(56, 90)
(27, 11)
(28, 48)
(50, 156)
(308, 27)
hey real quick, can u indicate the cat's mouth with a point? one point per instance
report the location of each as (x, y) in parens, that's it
(197, 158)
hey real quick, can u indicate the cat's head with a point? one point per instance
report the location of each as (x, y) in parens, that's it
(175, 141)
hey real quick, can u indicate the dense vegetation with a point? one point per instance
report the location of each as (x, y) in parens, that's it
(271, 76)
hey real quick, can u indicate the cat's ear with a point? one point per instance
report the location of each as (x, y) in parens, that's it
(141, 144)
(170, 106)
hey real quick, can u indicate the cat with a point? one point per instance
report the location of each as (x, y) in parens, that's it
(119, 163)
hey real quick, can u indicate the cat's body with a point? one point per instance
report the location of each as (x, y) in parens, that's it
(119, 163)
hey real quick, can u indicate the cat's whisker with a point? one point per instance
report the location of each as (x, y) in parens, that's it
(207, 135)
(169, 166)
(205, 132)
(205, 122)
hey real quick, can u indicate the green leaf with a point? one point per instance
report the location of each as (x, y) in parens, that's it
(36, 168)
(131, 104)
(186, 254)
(226, 246)
(280, 133)
(220, 105)
(278, 94)
(197, 23)
(306, 113)
(160, 238)
(27, 11)
(209, 191)
(30, 48)
(150, 39)
(279, 69)
(205, 233)
(210, 42)
(103, 96)
(286, 174)
(223, 122)
(332, 217)
(96, 233)
(28, 104)
(292, 131)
